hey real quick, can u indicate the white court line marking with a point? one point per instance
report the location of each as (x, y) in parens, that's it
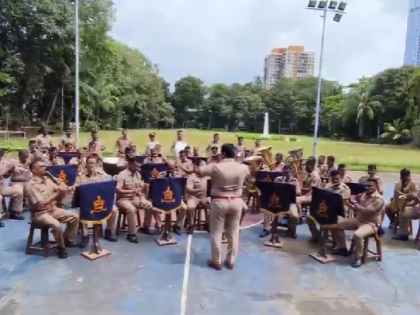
(184, 294)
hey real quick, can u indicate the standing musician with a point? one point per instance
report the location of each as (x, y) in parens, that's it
(130, 197)
(44, 141)
(214, 143)
(93, 175)
(53, 158)
(196, 190)
(321, 167)
(152, 142)
(367, 222)
(226, 204)
(67, 139)
(372, 174)
(179, 144)
(256, 148)
(95, 146)
(240, 148)
(183, 165)
(79, 160)
(122, 143)
(44, 195)
(278, 163)
(34, 151)
(345, 178)
(403, 188)
(154, 157)
(310, 180)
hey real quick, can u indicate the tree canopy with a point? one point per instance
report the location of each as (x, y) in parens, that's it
(120, 87)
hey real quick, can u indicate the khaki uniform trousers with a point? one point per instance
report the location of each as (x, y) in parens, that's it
(53, 219)
(111, 223)
(304, 200)
(361, 229)
(131, 206)
(292, 219)
(188, 209)
(16, 196)
(409, 213)
(225, 214)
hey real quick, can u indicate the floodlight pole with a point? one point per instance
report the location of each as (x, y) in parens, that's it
(76, 69)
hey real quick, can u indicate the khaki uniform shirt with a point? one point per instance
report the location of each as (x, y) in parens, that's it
(21, 172)
(128, 181)
(39, 189)
(97, 176)
(343, 190)
(346, 179)
(255, 150)
(279, 167)
(121, 144)
(65, 140)
(153, 160)
(5, 164)
(151, 145)
(364, 179)
(240, 149)
(410, 188)
(374, 204)
(81, 163)
(44, 142)
(227, 177)
(97, 148)
(311, 180)
(292, 180)
(212, 144)
(184, 168)
(195, 182)
(36, 154)
(56, 161)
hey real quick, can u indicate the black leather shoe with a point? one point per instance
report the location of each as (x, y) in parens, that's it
(190, 229)
(16, 216)
(70, 243)
(400, 237)
(147, 230)
(132, 238)
(1, 224)
(84, 242)
(110, 237)
(61, 253)
(340, 252)
(357, 263)
(176, 229)
(264, 233)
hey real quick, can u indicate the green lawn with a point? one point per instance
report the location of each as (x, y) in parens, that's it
(356, 155)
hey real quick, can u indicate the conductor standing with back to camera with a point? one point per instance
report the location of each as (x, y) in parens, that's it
(227, 179)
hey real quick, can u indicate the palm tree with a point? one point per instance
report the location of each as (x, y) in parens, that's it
(396, 130)
(415, 131)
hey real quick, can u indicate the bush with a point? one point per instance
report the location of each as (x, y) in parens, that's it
(256, 136)
(293, 139)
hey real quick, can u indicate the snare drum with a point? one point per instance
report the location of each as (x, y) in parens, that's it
(111, 167)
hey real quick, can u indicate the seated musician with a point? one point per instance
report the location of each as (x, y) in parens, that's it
(68, 147)
(92, 175)
(261, 166)
(53, 158)
(134, 148)
(367, 222)
(214, 156)
(196, 151)
(21, 175)
(310, 180)
(154, 157)
(79, 160)
(67, 140)
(372, 174)
(345, 178)
(240, 147)
(152, 142)
(279, 164)
(160, 152)
(411, 212)
(43, 197)
(128, 153)
(321, 167)
(403, 188)
(330, 167)
(293, 216)
(34, 150)
(196, 190)
(130, 197)
(183, 165)
(214, 143)
(187, 151)
(247, 154)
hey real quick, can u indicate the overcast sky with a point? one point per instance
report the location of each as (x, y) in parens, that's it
(227, 40)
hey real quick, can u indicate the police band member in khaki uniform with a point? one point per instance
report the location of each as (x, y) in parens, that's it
(130, 196)
(214, 156)
(411, 212)
(21, 174)
(402, 189)
(226, 204)
(311, 179)
(43, 195)
(328, 169)
(293, 216)
(196, 190)
(128, 153)
(345, 178)
(122, 143)
(372, 174)
(67, 139)
(369, 217)
(154, 157)
(95, 146)
(53, 158)
(94, 175)
(183, 165)
(321, 166)
(152, 143)
(44, 141)
(214, 143)
(240, 148)
(79, 160)
(256, 148)
(279, 164)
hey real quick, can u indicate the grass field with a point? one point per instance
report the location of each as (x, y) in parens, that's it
(356, 155)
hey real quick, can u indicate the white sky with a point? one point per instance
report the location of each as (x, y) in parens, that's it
(227, 40)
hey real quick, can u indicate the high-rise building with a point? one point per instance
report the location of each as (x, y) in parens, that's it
(292, 62)
(412, 41)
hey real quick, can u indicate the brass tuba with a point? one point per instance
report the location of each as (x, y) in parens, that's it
(267, 157)
(296, 161)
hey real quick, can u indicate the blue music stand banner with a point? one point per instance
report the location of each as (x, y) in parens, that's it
(64, 173)
(167, 194)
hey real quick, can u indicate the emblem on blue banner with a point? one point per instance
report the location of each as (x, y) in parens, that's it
(167, 193)
(64, 173)
(67, 156)
(275, 198)
(326, 206)
(95, 200)
(150, 171)
(267, 176)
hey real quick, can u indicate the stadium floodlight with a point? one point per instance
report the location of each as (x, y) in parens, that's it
(333, 5)
(322, 4)
(337, 17)
(312, 4)
(342, 6)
